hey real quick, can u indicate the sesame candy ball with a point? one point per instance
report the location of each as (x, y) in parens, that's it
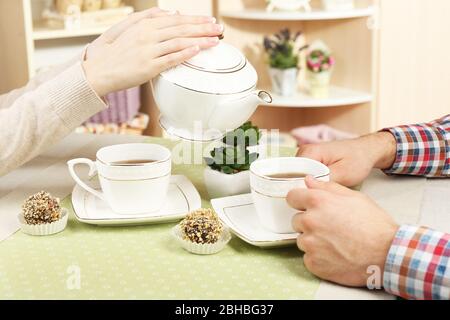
(41, 208)
(202, 226)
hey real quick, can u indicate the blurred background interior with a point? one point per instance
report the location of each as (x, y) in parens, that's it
(369, 63)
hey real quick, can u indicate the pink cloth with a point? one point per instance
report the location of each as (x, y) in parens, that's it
(123, 107)
(318, 134)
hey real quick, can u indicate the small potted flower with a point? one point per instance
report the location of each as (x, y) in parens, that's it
(283, 57)
(319, 63)
(227, 171)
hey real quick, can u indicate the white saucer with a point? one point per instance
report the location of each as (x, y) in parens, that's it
(239, 214)
(182, 198)
(185, 134)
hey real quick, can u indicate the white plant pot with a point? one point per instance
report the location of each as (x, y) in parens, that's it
(220, 185)
(319, 84)
(338, 5)
(284, 81)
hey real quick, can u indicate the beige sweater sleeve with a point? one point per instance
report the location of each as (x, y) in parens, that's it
(44, 113)
(7, 100)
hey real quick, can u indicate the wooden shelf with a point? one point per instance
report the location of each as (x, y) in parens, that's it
(92, 23)
(44, 33)
(338, 97)
(315, 15)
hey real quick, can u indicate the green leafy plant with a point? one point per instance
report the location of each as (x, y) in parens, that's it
(233, 156)
(281, 49)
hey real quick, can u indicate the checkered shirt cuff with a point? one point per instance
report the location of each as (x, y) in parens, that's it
(422, 150)
(418, 264)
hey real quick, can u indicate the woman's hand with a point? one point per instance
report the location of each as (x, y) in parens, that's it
(343, 232)
(147, 43)
(351, 161)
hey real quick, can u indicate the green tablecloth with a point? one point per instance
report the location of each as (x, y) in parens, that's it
(145, 263)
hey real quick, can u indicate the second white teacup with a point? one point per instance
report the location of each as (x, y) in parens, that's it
(134, 177)
(272, 179)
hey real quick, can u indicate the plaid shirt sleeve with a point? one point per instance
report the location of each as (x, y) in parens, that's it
(418, 264)
(423, 149)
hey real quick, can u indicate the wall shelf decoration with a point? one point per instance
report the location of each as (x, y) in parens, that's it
(261, 14)
(40, 32)
(350, 105)
(339, 97)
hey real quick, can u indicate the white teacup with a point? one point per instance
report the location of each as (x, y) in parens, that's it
(129, 188)
(269, 194)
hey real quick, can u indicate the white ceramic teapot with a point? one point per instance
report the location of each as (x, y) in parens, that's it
(206, 96)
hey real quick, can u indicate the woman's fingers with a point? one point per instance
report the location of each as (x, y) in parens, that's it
(171, 60)
(174, 45)
(114, 32)
(166, 22)
(150, 13)
(190, 30)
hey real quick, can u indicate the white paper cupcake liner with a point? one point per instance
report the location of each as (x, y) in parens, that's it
(203, 249)
(47, 228)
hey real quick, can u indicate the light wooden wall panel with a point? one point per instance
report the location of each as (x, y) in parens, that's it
(414, 63)
(14, 43)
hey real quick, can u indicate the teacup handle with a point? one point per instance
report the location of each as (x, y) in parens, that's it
(92, 171)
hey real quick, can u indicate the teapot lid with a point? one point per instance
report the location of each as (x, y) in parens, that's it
(220, 59)
(222, 69)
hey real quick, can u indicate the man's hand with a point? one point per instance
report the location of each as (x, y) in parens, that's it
(351, 161)
(343, 232)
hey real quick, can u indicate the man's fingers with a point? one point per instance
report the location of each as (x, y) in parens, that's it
(309, 151)
(308, 262)
(332, 187)
(297, 199)
(305, 243)
(297, 222)
(304, 199)
(340, 174)
(171, 60)
(175, 45)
